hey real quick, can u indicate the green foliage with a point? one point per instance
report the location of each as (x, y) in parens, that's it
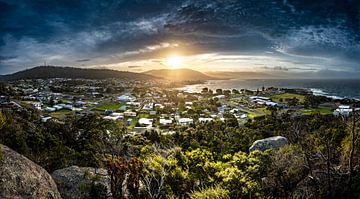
(199, 161)
(1, 156)
(288, 168)
(211, 193)
(2, 119)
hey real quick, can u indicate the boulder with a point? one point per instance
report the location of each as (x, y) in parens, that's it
(269, 143)
(74, 182)
(22, 178)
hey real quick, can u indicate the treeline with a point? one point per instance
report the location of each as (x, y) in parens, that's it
(202, 160)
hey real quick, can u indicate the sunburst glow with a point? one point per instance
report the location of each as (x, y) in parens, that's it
(174, 61)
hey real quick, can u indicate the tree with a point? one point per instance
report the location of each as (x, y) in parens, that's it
(214, 192)
(240, 174)
(354, 133)
(293, 102)
(286, 170)
(157, 166)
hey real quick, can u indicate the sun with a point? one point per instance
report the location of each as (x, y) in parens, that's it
(174, 61)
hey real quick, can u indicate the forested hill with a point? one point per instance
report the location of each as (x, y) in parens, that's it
(45, 72)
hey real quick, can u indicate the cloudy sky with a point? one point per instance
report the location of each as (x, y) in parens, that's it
(208, 35)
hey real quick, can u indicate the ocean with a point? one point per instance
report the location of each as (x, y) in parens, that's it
(337, 88)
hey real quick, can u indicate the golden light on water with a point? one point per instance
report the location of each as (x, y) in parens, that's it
(174, 61)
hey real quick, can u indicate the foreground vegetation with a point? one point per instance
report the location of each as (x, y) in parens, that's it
(199, 161)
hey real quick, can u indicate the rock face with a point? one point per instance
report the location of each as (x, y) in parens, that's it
(269, 143)
(73, 182)
(22, 178)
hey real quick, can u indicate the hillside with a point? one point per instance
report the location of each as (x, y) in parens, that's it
(44, 72)
(242, 75)
(179, 74)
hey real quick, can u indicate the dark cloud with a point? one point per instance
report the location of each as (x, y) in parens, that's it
(4, 58)
(83, 60)
(134, 66)
(113, 31)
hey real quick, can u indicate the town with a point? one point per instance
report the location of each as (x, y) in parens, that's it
(156, 105)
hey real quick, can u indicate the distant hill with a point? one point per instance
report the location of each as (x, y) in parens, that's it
(179, 74)
(45, 72)
(242, 75)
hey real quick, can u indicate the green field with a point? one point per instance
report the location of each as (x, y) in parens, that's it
(284, 96)
(143, 115)
(60, 114)
(108, 106)
(264, 110)
(321, 110)
(253, 114)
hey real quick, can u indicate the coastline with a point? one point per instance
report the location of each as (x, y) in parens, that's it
(347, 90)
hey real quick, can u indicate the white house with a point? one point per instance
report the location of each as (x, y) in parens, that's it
(219, 97)
(126, 98)
(165, 122)
(112, 117)
(188, 103)
(255, 98)
(50, 109)
(343, 111)
(45, 119)
(146, 122)
(185, 121)
(58, 107)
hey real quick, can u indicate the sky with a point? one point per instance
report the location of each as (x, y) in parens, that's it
(297, 36)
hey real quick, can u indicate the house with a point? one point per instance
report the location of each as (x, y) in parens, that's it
(129, 113)
(37, 105)
(134, 104)
(240, 115)
(185, 121)
(50, 109)
(260, 98)
(126, 98)
(117, 115)
(188, 103)
(343, 111)
(205, 120)
(45, 119)
(146, 122)
(68, 106)
(80, 103)
(219, 97)
(58, 107)
(148, 107)
(274, 104)
(165, 122)
(111, 117)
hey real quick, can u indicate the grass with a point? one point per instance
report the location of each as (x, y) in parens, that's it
(284, 96)
(108, 106)
(321, 110)
(143, 115)
(252, 115)
(264, 110)
(60, 113)
(133, 123)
